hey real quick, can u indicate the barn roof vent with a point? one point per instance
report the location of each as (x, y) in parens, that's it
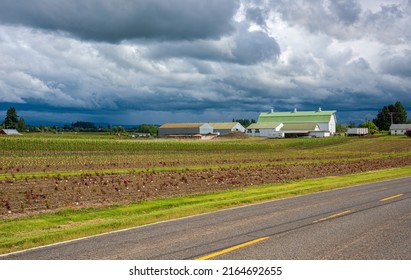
(272, 110)
(319, 109)
(295, 110)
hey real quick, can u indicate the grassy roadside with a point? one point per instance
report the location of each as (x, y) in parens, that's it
(28, 232)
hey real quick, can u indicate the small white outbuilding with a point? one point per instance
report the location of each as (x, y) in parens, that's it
(9, 132)
(399, 129)
(265, 130)
(227, 127)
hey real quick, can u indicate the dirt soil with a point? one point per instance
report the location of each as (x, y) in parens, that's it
(31, 196)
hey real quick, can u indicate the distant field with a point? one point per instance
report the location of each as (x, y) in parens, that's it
(44, 173)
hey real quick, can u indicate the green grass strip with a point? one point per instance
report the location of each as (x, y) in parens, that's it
(23, 233)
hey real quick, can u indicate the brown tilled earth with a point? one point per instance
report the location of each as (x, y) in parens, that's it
(22, 197)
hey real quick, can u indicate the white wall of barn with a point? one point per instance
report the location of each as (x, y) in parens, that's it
(238, 127)
(206, 129)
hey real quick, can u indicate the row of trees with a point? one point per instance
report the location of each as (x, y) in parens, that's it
(13, 121)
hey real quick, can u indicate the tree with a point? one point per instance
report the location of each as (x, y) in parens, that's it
(341, 128)
(400, 115)
(383, 120)
(11, 120)
(372, 128)
(390, 114)
(244, 122)
(83, 125)
(148, 128)
(119, 129)
(21, 125)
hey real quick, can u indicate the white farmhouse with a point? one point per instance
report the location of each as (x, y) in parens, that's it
(399, 129)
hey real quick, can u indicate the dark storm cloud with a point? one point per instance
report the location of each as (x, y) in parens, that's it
(114, 21)
(244, 47)
(254, 47)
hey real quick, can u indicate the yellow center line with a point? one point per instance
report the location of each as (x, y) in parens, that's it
(213, 255)
(333, 216)
(391, 197)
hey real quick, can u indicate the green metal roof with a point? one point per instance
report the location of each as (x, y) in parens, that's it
(296, 117)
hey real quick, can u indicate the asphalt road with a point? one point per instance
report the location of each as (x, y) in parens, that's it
(371, 221)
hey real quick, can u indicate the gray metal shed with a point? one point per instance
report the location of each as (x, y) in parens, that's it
(184, 129)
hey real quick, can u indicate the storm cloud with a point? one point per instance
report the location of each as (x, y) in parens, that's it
(113, 21)
(154, 61)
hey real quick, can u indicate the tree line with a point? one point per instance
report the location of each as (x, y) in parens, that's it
(245, 122)
(13, 121)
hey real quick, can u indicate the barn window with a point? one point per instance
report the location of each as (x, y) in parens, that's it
(257, 131)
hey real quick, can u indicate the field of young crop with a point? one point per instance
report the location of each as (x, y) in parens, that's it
(46, 173)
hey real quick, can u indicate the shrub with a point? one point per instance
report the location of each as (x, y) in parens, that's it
(372, 128)
(408, 132)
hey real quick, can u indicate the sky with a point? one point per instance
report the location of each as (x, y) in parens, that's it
(154, 61)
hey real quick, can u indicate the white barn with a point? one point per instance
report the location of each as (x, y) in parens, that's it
(326, 120)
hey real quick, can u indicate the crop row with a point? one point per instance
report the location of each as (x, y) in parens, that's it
(46, 194)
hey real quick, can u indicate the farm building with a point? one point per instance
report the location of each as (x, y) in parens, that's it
(399, 129)
(357, 131)
(265, 130)
(227, 127)
(326, 120)
(184, 129)
(9, 132)
(294, 130)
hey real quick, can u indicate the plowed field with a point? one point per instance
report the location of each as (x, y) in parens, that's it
(47, 177)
